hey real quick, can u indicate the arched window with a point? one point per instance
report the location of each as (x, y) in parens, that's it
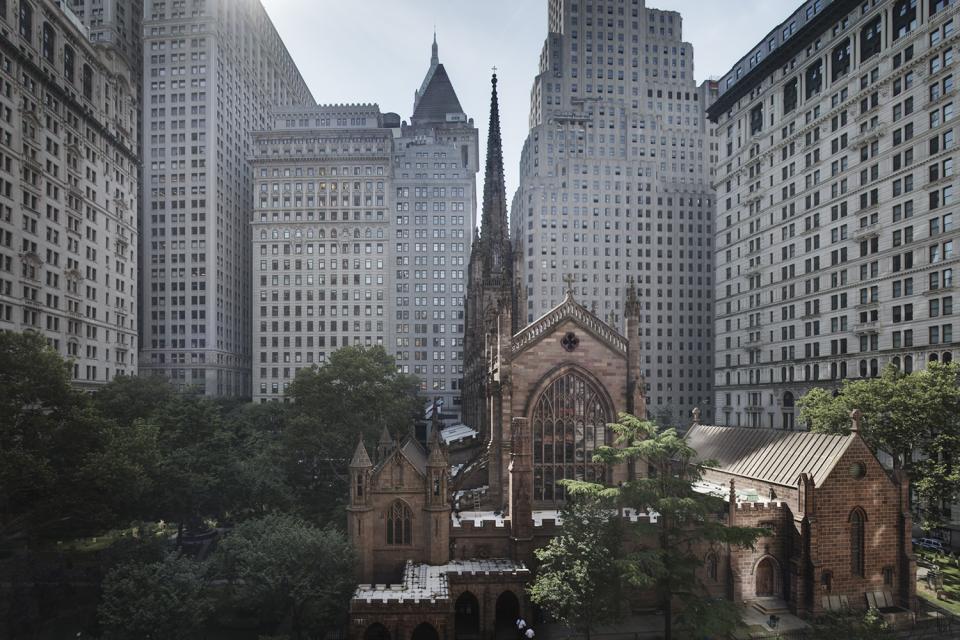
(569, 422)
(399, 523)
(713, 566)
(858, 521)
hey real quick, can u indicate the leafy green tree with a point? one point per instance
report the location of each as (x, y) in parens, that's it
(903, 414)
(290, 571)
(163, 599)
(578, 578)
(64, 469)
(357, 391)
(127, 398)
(666, 558)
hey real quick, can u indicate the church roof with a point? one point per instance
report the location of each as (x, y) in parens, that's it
(569, 309)
(769, 455)
(360, 457)
(437, 99)
(412, 451)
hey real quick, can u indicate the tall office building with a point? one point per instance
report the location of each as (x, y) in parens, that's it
(614, 187)
(435, 164)
(836, 193)
(213, 71)
(68, 191)
(116, 25)
(321, 238)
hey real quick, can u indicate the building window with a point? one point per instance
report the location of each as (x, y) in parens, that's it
(87, 82)
(399, 523)
(870, 39)
(713, 566)
(68, 62)
(569, 422)
(790, 96)
(49, 41)
(814, 78)
(858, 520)
(26, 21)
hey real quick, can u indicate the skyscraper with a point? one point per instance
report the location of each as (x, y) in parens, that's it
(435, 165)
(835, 235)
(321, 238)
(213, 71)
(614, 187)
(68, 191)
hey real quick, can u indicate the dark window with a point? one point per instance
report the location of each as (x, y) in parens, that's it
(814, 78)
(87, 82)
(840, 60)
(790, 96)
(68, 62)
(904, 17)
(26, 21)
(870, 39)
(49, 40)
(756, 119)
(399, 523)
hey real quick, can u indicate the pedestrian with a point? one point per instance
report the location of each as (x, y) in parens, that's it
(521, 625)
(529, 633)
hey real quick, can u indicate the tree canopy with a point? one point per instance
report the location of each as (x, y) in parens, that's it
(913, 417)
(663, 555)
(578, 581)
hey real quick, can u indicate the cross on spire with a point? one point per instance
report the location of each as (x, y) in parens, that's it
(569, 280)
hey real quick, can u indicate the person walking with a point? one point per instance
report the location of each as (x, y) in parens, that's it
(521, 626)
(529, 634)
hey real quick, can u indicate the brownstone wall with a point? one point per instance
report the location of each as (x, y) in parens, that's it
(878, 496)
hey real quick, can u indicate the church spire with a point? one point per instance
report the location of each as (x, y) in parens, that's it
(434, 56)
(493, 229)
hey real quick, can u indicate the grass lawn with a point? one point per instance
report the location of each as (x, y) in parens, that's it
(951, 580)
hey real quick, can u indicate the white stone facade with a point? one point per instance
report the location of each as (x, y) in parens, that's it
(322, 220)
(213, 71)
(615, 186)
(68, 191)
(836, 196)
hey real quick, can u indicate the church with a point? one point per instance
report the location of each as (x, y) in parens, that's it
(447, 550)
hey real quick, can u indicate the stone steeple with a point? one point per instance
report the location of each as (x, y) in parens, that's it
(494, 229)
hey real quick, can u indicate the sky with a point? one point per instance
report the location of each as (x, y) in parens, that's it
(378, 51)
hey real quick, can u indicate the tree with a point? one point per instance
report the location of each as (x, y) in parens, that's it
(666, 558)
(853, 626)
(902, 414)
(163, 599)
(127, 398)
(290, 571)
(578, 577)
(357, 391)
(64, 469)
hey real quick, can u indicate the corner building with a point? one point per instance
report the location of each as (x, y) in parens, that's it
(321, 234)
(68, 191)
(614, 186)
(214, 69)
(435, 163)
(836, 195)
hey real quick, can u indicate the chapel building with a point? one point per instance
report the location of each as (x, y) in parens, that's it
(447, 549)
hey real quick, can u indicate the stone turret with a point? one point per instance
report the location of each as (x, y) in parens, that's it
(385, 445)
(437, 503)
(360, 510)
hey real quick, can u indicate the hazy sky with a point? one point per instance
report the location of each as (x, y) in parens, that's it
(379, 50)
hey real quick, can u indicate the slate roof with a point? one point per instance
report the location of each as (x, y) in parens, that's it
(769, 455)
(437, 100)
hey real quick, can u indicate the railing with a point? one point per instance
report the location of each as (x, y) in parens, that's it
(569, 308)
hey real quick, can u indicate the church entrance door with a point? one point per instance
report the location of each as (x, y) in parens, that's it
(766, 579)
(467, 617)
(425, 631)
(507, 612)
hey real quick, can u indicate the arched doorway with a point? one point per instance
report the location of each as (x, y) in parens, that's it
(507, 612)
(425, 631)
(766, 578)
(466, 617)
(376, 631)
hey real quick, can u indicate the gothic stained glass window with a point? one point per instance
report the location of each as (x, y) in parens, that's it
(569, 422)
(399, 519)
